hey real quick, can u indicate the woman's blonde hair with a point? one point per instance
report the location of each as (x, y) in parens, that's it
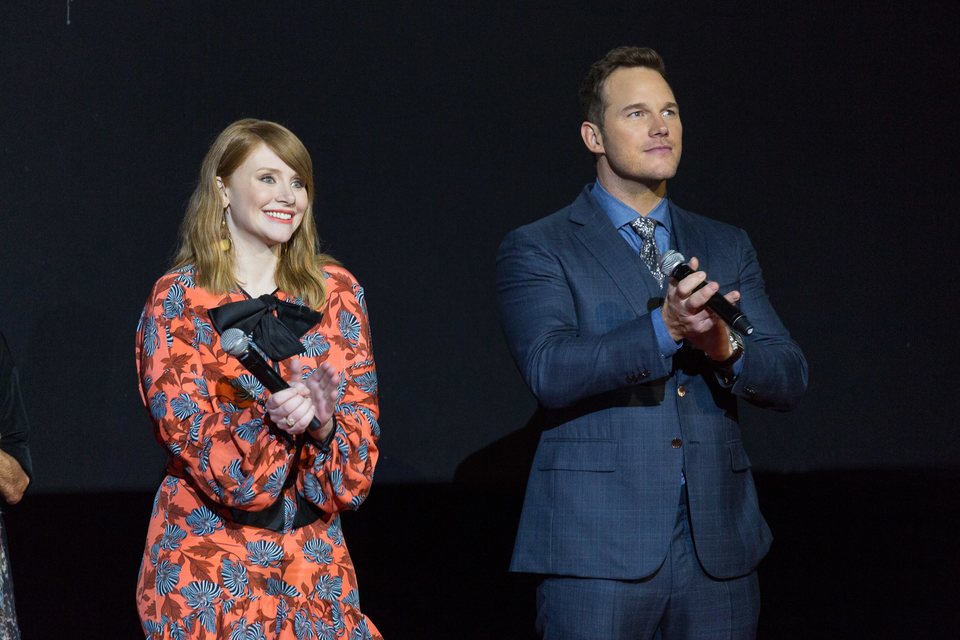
(300, 267)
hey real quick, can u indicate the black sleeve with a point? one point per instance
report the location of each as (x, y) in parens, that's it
(14, 428)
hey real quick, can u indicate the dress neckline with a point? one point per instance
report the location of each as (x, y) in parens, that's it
(250, 297)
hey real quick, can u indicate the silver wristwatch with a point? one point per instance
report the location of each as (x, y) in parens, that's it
(736, 344)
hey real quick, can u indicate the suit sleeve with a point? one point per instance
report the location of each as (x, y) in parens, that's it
(560, 363)
(339, 477)
(774, 371)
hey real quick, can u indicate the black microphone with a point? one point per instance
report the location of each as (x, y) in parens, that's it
(236, 343)
(674, 265)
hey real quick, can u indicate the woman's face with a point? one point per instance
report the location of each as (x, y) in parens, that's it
(266, 199)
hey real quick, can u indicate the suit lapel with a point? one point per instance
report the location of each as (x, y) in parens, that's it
(688, 236)
(616, 257)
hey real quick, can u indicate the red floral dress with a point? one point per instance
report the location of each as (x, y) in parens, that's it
(203, 575)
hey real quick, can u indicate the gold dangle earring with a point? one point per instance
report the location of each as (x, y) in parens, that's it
(224, 233)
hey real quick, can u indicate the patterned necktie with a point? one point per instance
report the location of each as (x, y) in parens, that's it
(648, 251)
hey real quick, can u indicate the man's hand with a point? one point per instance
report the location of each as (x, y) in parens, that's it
(687, 318)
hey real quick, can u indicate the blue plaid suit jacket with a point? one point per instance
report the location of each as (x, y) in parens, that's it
(621, 420)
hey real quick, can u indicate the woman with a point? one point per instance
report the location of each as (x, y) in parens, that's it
(245, 539)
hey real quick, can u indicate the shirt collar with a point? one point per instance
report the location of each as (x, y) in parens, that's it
(621, 214)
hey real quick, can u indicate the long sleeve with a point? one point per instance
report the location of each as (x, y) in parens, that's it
(560, 360)
(340, 478)
(774, 373)
(14, 427)
(212, 424)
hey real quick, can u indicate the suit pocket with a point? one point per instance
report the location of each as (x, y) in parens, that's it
(574, 454)
(738, 456)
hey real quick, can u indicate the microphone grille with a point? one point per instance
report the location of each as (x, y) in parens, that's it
(670, 261)
(234, 341)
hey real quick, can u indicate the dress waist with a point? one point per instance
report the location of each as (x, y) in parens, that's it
(272, 517)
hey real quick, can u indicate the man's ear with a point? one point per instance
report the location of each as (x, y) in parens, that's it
(225, 201)
(592, 136)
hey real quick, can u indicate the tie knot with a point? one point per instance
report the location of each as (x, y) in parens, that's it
(644, 227)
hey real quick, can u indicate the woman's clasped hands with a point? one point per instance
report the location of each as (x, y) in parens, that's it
(294, 408)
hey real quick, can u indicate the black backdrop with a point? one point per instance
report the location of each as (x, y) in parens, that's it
(825, 129)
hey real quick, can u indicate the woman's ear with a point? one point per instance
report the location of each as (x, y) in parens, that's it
(225, 201)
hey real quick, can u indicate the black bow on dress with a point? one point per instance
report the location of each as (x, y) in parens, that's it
(277, 336)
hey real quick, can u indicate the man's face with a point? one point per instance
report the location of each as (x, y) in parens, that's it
(641, 136)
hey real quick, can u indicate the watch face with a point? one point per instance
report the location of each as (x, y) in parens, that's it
(736, 340)
(736, 345)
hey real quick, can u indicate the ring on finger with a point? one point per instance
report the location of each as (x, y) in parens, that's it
(290, 421)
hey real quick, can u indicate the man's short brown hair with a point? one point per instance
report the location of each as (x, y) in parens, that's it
(591, 89)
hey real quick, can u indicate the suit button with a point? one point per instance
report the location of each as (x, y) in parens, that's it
(676, 443)
(681, 391)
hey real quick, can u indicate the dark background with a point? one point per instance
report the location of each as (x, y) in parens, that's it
(828, 130)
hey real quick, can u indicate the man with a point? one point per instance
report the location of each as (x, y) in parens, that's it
(640, 507)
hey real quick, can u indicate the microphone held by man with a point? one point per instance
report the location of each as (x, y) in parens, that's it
(674, 265)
